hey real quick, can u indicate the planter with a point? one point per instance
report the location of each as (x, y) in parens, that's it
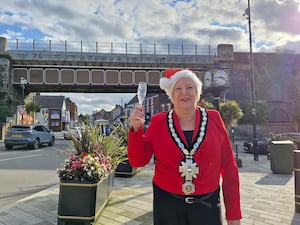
(81, 203)
(125, 169)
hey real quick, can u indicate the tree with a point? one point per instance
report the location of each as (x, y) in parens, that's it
(84, 118)
(3, 112)
(205, 104)
(32, 107)
(231, 112)
(297, 114)
(261, 113)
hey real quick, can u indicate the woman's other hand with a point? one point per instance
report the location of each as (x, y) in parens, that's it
(137, 118)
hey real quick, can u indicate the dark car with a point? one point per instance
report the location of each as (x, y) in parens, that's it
(263, 146)
(31, 135)
(295, 137)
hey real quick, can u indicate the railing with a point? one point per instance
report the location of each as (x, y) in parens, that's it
(111, 48)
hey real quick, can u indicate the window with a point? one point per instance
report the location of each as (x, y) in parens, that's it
(277, 92)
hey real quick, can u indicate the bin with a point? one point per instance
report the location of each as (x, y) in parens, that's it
(282, 157)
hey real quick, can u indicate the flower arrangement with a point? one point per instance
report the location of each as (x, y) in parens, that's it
(95, 155)
(123, 129)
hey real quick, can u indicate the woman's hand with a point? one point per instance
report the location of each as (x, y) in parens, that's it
(233, 222)
(137, 118)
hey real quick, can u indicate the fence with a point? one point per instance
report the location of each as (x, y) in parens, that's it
(110, 47)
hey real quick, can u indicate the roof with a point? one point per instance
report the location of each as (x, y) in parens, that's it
(50, 102)
(135, 98)
(164, 98)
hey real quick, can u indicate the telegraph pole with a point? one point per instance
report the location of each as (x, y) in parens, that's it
(253, 98)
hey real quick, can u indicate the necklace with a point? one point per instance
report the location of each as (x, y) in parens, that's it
(188, 167)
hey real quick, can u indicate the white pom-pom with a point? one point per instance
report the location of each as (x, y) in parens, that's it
(164, 83)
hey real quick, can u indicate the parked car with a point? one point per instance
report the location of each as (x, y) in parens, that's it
(263, 146)
(30, 135)
(73, 132)
(292, 136)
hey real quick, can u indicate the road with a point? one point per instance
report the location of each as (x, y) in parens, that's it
(24, 171)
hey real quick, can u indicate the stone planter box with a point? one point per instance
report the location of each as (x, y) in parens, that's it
(81, 203)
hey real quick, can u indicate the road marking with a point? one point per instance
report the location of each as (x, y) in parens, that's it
(20, 151)
(21, 157)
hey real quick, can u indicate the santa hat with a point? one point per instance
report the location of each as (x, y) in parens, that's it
(173, 75)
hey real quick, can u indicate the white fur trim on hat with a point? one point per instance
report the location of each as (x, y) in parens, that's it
(167, 84)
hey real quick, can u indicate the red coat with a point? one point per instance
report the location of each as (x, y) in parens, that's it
(214, 157)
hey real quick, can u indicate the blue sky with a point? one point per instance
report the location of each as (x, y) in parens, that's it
(275, 26)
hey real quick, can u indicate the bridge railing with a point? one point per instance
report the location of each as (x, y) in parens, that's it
(111, 47)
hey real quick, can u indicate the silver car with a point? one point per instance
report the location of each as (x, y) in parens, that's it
(73, 132)
(31, 135)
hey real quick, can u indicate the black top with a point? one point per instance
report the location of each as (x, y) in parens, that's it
(188, 136)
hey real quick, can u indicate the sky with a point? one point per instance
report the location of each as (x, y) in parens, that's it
(275, 27)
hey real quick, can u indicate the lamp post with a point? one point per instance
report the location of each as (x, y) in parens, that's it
(253, 111)
(23, 83)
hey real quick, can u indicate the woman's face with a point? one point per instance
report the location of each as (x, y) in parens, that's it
(184, 93)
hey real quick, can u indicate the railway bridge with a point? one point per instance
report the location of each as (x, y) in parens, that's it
(95, 67)
(62, 66)
(100, 72)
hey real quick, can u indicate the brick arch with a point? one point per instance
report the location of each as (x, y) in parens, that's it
(279, 115)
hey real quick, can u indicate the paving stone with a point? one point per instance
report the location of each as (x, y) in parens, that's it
(266, 199)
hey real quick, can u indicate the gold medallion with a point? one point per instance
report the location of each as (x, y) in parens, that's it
(188, 188)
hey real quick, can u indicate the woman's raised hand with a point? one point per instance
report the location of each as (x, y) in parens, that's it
(137, 118)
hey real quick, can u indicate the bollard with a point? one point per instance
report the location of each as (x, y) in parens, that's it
(237, 159)
(297, 179)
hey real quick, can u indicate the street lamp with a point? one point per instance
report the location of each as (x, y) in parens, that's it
(253, 111)
(23, 83)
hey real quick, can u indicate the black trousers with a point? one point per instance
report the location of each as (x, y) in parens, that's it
(170, 209)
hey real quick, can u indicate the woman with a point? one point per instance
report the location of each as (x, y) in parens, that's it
(192, 151)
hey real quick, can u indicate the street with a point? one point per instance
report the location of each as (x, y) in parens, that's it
(24, 171)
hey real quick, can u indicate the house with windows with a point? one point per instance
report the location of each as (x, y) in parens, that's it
(71, 115)
(153, 103)
(57, 112)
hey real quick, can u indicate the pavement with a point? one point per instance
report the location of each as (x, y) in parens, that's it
(266, 198)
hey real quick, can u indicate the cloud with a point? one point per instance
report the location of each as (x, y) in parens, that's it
(198, 22)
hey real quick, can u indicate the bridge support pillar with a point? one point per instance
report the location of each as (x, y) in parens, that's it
(3, 45)
(7, 97)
